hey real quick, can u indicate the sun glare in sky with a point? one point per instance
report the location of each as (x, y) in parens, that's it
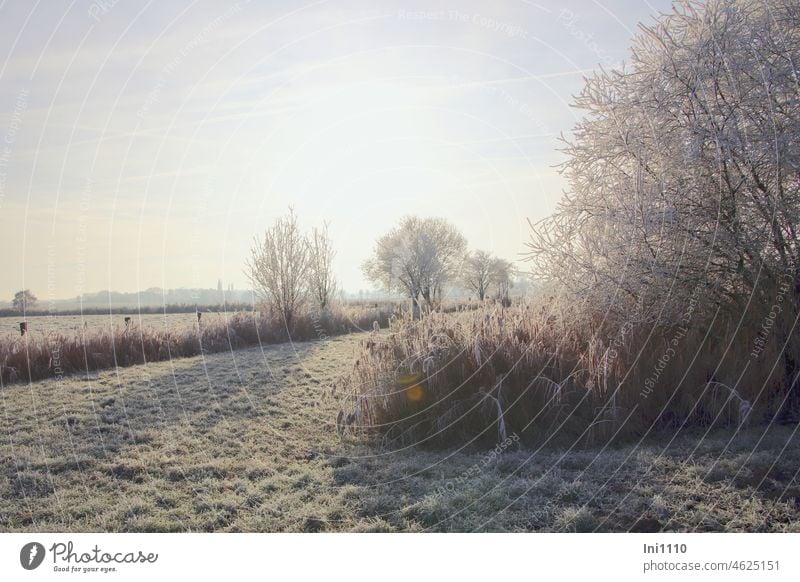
(144, 145)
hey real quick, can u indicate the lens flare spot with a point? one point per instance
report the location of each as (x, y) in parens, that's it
(415, 393)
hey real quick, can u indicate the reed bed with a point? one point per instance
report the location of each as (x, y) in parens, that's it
(39, 356)
(561, 374)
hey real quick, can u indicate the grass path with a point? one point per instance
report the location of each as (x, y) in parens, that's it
(244, 441)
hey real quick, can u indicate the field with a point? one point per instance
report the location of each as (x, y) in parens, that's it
(43, 325)
(62, 345)
(247, 441)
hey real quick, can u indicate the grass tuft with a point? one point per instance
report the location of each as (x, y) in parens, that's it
(559, 374)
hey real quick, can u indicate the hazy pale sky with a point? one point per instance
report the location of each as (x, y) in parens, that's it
(144, 144)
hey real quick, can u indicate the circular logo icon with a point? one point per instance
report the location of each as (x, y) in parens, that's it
(31, 555)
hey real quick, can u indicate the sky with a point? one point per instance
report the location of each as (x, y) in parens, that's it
(145, 144)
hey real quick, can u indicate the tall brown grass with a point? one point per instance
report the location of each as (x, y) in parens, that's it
(558, 373)
(36, 357)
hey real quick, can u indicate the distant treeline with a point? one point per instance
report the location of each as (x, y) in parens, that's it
(122, 310)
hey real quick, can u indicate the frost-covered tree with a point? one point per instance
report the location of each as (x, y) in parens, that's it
(684, 174)
(322, 281)
(23, 300)
(278, 267)
(500, 274)
(417, 258)
(477, 272)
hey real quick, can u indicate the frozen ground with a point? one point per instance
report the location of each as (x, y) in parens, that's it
(246, 441)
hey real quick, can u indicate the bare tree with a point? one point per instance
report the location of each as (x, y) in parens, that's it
(23, 300)
(477, 272)
(322, 281)
(278, 266)
(500, 274)
(417, 258)
(684, 175)
(445, 248)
